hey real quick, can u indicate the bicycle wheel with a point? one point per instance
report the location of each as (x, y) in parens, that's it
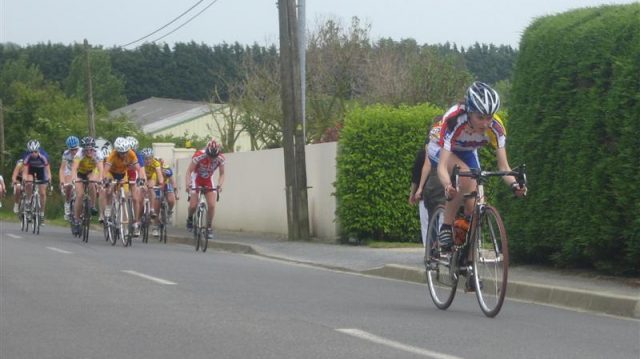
(196, 228)
(490, 262)
(86, 220)
(145, 221)
(24, 219)
(129, 236)
(441, 283)
(36, 214)
(163, 223)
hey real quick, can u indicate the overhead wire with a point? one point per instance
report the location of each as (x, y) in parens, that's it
(186, 22)
(165, 26)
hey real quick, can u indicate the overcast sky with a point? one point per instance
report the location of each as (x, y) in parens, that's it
(118, 22)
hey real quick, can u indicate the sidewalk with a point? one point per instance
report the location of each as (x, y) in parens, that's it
(572, 289)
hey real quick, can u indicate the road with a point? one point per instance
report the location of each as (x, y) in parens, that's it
(60, 298)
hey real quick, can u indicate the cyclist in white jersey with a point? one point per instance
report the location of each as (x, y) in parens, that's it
(464, 131)
(64, 174)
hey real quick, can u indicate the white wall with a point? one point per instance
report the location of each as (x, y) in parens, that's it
(253, 197)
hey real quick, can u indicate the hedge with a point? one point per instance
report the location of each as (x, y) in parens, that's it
(376, 152)
(575, 121)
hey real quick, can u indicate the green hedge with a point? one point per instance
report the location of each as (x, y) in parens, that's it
(575, 121)
(376, 152)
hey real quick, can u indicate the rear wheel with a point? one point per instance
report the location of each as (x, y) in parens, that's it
(441, 282)
(163, 222)
(36, 214)
(129, 215)
(86, 221)
(490, 262)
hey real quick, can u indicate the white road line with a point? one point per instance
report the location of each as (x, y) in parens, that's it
(396, 345)
(145, 276)
(13, 236)
(59, 250)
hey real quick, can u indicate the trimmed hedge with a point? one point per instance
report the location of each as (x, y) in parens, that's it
(575, 121)
(375, 156)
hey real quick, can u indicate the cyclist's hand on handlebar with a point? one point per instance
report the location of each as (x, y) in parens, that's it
(450, 191)
(518, 191)
(140, 182)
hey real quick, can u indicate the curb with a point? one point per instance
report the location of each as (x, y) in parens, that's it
(618, 305)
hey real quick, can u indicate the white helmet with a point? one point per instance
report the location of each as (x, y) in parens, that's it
(121, 145)
(134, 143)
(106, 149)
(33, 145)
(481, 98)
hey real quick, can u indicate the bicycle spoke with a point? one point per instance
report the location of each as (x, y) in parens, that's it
(440, 283)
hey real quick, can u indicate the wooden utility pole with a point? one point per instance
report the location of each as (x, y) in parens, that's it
(1, 135)
(293, 137)
(89, 91)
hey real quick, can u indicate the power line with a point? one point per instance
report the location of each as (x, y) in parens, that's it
(171, 22)
(186, 22)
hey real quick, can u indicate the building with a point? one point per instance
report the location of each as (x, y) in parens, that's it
(180, 118)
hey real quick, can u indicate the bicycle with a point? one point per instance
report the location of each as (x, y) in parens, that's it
(85, 214)
(200, 218)
(483, 257)
(32, 209)
(72, 203)
(121, 216)
(22, 207)
(163, 217)
(145, 220)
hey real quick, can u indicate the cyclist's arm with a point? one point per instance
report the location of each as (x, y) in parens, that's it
(159, 176)
(48, 170)
(192, 167)
(100, 168)
(25, 171)
(74, 170)
(443, 171)
(220, 176)
(142, 174)
(61, 171)
(503, 165)
(14, 175)
(426, 168)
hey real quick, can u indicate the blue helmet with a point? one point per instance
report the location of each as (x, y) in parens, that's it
(72, 142)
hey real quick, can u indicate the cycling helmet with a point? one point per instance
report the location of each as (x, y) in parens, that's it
(106, 149)
(167, 171)
(134, 143)
(72, 142)
(121, 145)
(33, 145)
(481, 98)
(87, 142)
(147, 152)
(213, 148)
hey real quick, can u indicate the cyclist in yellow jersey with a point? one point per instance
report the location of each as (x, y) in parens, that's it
(152, 168)
(85, 164)
(121, 159)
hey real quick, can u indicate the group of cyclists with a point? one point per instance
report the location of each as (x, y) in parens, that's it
(88, 165)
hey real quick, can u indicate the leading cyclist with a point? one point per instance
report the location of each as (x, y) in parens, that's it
(466, 128)
(200, 174)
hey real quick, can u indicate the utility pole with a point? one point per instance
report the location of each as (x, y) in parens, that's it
(89, 91)
(293, 136)
(1, 135)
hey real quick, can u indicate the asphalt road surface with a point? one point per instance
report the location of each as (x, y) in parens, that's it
(61, 298)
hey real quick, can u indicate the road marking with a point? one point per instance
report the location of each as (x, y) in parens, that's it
(59, 250)
(145, 276)
(396, 345)
(13, 236)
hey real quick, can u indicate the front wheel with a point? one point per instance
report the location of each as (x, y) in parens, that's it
(441, 282)
(490, 262)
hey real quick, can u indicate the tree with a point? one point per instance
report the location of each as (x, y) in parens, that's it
(108, 88)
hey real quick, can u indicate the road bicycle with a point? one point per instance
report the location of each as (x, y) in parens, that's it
(32, 208)
(483, 256)
(163, 217)
(200, 218)
(120, 222)
(85, 213)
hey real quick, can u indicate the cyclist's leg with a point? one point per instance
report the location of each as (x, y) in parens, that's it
(78, 205)
(17, 193)
(465, 184)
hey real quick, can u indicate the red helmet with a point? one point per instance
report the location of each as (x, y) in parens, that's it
(213, 148)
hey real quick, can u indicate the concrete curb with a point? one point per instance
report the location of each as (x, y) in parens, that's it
(624, 306)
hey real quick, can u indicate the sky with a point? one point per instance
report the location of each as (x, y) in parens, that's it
(119, 22)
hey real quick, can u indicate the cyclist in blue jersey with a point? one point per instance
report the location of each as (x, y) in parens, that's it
(36, 167)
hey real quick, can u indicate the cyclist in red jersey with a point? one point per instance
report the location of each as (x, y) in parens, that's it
(200, 174)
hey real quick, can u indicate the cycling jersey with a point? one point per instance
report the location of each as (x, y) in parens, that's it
(87, 164)
(120, 164)
(205, 166)
(455, 135)
(40, 160)
(150, 168)
(67, 160)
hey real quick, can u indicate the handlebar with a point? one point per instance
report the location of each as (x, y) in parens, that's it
(519, 173)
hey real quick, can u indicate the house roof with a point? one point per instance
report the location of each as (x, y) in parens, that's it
(155, 114)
